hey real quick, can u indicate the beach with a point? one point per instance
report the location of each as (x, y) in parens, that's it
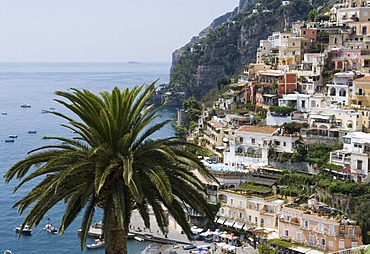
(175, 238)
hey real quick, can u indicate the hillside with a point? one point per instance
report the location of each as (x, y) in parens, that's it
(232, 44)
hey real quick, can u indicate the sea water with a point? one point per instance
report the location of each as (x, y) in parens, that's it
(34, 84)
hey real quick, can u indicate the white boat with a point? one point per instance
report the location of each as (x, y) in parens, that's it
(26, 230)
(50, 228)
(8, 252)
(97, 244)
(137, 238)
(25, 106)
(130, 236)
(13, 136)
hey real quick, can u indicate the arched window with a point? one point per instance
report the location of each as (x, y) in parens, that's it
(342, 92)
(332, 91)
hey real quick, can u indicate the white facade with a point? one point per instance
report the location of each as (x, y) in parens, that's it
(299, 101)
(251, 145)
(338, 90)
(354, 155)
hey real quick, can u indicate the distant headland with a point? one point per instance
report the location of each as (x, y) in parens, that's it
(133, 62)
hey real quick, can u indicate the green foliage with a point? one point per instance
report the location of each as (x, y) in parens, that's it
(281, 244)
(283, 110)
(332, 166)
(292, 127)
(319, 153)
(311, 16)
(362, 216)
(251, 187)
(191, 102)
(266, 248)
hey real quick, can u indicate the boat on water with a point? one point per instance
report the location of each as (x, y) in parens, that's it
(50, 228)
(13, 136)
(130, 236)
(25, 106)
(32, 132)
(9, 140)
(97, 244)
(26, 230)
(138, 238)
(8, 252)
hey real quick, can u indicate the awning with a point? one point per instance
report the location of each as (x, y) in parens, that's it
(221, 220)
(229, 222)
(238, 225)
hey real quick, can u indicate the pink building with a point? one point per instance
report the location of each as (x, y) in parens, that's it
(318, 230)
(346, 59)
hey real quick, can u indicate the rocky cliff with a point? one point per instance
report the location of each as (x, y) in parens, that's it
(230, 43)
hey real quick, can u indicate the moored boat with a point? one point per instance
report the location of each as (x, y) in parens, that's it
(97, 244)
(9, 140)
(26, 230)
(137, 238)
(25, 106)
(13, 136)
(50, 228)
(130, 236)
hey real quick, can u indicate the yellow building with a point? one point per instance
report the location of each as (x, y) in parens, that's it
(360, 96)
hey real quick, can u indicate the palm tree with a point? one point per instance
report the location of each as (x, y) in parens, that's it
(113, 165)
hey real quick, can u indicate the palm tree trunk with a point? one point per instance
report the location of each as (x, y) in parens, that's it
(116, 241)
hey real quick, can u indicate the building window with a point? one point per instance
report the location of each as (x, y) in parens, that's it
(341, 244)
(229, 213)
(253, 141)
(231, 201)
(306, 224)
(311, 239)
(330, 243)
(354, 244)
(249, 218)
(331, 230)
(299, 236)
(351, 233)
(284, 143)
(241, 204)
(322, 242)
(286, 232)
(359, 167)
(241, 216)
(313, 104)
(321, 227)
(222, 211)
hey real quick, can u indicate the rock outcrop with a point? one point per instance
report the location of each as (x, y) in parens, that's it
(230, 43)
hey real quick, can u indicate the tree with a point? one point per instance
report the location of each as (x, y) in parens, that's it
(312, 15)
(112, 164)
(362, 216)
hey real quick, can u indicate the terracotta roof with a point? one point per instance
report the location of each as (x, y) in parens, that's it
(366, 78)
(258, 129)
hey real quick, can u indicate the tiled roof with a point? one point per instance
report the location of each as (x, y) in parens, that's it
(258, 129)
(366, 78)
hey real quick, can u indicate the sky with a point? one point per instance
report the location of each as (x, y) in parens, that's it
(102, 30)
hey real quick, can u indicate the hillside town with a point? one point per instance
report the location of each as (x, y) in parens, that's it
(308, 89)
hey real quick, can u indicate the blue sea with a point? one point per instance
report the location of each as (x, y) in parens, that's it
(35, 84)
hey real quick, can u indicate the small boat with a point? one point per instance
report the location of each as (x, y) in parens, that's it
(26, 230)
(32, 132)
(44, 111)
(130, 236)
(4, 113)
(97, 244)
(50, 228)
(25, 106)
(137, 238)
(13, 136)
(8, 252)
(189, 246)
(52, 108)
(9, 140)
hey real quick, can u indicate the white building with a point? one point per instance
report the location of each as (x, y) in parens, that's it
(355, 156)
(339, 89)
(251, 145)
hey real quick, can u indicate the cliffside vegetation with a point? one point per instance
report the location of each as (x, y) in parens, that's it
(232, 45)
